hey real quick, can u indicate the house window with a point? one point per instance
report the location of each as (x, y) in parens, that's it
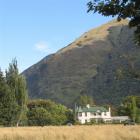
(80, 114)
(85, 113)
(99, 114)
(93, 114)
(105, 113)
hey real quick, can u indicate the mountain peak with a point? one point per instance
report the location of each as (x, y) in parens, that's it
(99, 33)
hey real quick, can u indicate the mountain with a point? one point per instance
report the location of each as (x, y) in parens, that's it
(103, 63)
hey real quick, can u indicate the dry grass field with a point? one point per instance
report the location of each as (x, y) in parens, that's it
(106, 132)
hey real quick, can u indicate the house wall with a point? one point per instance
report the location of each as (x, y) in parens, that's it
(87, 116)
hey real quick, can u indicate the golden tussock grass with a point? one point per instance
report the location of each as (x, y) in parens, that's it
(105, 132)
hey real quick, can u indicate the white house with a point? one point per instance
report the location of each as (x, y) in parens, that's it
(96, 113)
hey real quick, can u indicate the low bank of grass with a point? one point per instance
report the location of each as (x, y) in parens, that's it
(103, 132)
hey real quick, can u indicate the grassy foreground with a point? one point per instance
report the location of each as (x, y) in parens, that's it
(108, 132)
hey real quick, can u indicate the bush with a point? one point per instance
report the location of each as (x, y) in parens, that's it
(46, 112)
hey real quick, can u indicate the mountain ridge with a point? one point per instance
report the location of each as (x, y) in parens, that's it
(88, 66)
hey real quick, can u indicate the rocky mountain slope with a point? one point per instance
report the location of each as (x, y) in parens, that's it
(103, 63)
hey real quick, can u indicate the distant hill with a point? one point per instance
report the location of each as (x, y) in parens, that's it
(103, 63)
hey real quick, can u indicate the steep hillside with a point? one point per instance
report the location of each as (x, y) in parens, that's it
(103, 63)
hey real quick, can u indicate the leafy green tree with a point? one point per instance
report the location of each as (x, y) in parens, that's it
(138, 108)
(133, 109)
(48, 112)
(8, 106)
(8, 109)
(70, 116)
(39, 116)
(17, 85)
(122, 9)
(59, 114)
(130, 106)
(2, 83)
(21, 98)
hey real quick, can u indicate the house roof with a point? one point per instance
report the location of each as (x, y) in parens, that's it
(92, 109)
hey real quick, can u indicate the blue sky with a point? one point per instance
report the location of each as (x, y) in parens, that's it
(32, 29)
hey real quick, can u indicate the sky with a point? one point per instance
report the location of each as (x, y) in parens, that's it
(33, 29)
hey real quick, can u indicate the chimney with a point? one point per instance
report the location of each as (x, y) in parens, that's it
(88, 106)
